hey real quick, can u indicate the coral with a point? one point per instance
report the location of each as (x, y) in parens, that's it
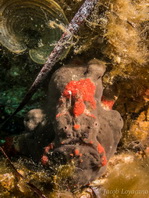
(29, 29)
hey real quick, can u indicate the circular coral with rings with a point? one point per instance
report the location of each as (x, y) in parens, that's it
(26, 25)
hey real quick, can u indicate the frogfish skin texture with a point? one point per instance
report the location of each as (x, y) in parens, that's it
(84, 131)
(74, 126)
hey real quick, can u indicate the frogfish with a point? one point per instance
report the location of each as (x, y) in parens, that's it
(73, 125)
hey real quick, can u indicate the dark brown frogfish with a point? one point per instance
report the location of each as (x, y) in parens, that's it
(84, 131)
(74, 125)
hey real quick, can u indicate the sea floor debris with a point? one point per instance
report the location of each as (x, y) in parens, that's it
(119, 181)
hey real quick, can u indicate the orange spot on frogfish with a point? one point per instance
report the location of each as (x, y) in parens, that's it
(76, 126)
(80, 91)
(100, 149)
(76, 152)
(104, 160)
